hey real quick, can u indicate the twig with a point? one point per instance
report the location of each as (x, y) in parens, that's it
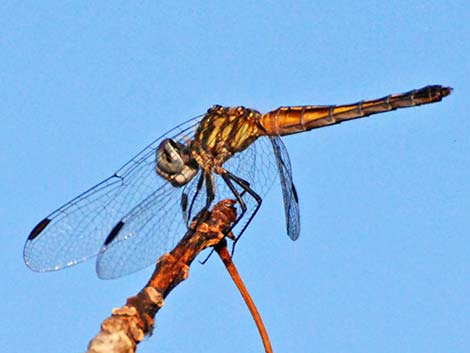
(221, 249)
(128, 325)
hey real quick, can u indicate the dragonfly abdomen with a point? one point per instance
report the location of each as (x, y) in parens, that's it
(291, 120)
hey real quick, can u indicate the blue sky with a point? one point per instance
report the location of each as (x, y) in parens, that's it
(382, 263)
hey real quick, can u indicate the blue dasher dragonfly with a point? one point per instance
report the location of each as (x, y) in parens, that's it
(135, 215)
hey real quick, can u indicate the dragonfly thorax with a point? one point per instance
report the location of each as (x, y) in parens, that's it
(174, 162)
(223, 132)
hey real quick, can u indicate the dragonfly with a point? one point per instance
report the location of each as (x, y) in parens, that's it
(129, 219)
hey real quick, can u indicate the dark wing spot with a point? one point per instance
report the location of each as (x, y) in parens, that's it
(39, 228)
(184, 202)
(114, 232)
(294, 193)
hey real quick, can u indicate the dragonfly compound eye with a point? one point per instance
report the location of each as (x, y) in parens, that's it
(174, 162)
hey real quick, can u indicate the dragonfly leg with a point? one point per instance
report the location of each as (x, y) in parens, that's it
(187, 212)
(210, 189)
(230, 179)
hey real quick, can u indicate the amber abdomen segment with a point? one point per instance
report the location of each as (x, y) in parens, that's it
(290, 120)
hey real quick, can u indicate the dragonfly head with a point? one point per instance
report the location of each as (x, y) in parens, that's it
(175, 163)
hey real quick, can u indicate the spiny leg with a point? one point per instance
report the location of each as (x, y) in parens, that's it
(226, 177)
(229, 179)
(184, 201)
(210, 197)
(239, 198)
(210, 189)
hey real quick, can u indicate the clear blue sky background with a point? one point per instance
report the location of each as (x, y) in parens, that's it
(382, 264)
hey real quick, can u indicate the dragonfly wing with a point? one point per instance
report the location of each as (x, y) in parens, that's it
(289, 194)
(76, 231)
(257, 166)
(145, 233)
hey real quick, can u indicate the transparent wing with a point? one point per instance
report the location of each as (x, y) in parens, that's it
(76, 231)
(256, 165)
(289, 194)
(136, 239)
(150, 229)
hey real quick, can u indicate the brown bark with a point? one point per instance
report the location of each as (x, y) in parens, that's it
(128, 325)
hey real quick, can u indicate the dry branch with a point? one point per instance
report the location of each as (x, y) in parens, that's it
(128, 325)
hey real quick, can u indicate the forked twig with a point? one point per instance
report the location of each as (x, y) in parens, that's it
(128, 325)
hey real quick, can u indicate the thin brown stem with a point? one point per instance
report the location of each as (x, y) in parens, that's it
(224, 255)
